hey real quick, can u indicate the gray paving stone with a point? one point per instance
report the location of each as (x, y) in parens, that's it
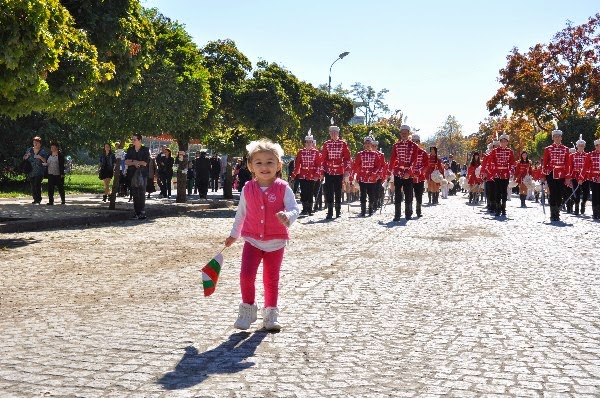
(455, 304)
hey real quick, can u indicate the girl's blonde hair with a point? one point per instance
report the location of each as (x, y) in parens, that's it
(264, 145)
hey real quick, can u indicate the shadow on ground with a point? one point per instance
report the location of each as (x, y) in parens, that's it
(228, 357)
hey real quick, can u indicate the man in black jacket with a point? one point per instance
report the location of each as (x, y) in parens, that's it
(202, 171)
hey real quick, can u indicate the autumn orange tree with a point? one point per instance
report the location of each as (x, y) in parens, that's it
(553, 83)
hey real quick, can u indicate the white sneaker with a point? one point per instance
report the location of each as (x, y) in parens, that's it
(270, 315)
(246, 316)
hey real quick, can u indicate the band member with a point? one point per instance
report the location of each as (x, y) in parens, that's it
(307, 171)
(503, 159)
(367, 165)
(488, 173)
(536, 174)
(433, 163)
(582, 191)
(336, 166)
(402, 162)
(522, 169)
(475, 181)
(591, 173)
(419, 173)
(555, 168)
(380, 191)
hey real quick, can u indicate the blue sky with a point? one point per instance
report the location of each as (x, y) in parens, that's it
(436, 58)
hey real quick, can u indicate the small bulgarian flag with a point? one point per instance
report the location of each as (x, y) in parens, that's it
(210, 274)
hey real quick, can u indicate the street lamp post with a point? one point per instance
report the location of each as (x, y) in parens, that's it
(342, 55)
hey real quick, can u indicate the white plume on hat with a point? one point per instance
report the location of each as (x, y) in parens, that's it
(309, 136)
(331, 120)
(557, 132)
(580, 141)
(405, 127)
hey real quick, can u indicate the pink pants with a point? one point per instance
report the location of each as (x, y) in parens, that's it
(251, 257)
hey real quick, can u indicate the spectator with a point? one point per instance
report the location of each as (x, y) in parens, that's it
(202, 169)
(215, 172)
(106, 167)
(244, 175)
(56, 174)
(166, 173)
(137, 159)
(36, 155)
(190, 177)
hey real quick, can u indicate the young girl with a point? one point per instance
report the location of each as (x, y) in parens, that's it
(266, 209)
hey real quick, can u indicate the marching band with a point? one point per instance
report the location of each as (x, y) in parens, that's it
(566, 177)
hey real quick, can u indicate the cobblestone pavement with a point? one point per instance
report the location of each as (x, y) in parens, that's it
(455, 304)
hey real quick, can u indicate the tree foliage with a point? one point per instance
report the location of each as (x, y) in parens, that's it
(46, 62)
(556, 81)
(373, 102)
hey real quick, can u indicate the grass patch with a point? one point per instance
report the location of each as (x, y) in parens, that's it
(74, 184)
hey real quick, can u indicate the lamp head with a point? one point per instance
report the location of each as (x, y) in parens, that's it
(342, 55)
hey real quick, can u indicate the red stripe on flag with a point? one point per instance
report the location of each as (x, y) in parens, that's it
(212, 274)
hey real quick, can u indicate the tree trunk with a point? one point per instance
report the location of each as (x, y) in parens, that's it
(182, 161)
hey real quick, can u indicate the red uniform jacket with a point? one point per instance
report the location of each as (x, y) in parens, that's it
(336, 157)
(420, 166)
(556, 159)
(384, 172)
(472, 178)
(488, 169)
(307, 165)
(403, 158)
(536, 173)
(521, 170)
(576, 161)
(503, 159)
(591, 167)
(367, 165)
(433, 163)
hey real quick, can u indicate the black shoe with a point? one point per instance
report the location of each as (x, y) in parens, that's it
(142, 216)
(50, 203)
(135, 217)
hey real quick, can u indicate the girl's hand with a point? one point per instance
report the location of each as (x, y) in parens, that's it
(229, 241)
(281, 216)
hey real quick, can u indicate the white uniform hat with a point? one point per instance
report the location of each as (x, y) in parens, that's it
(557, 132)
(309, 137)
(596, 142)
(495, 143)
(504, 136)
(580, 141)
(368, 139)
(415, 137)
(374, 142)
(334, 128)
(405, 127)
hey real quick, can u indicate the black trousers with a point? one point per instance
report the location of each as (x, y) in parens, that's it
(418, 188)
(555, 186)
(306, 191)
(36, 188)
(595, 193)
(583, 193)
(367, 189)
(490, 192)
(139, 198)
(501, 187)
(214, 183)
(202, 186)
(407, 184)
(333, 189)
(58, 182)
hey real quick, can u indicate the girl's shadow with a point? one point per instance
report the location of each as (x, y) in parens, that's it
(228, 357)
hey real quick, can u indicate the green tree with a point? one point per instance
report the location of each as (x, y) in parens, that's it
(46, 63)
(373, 105)
(173, 96)
(450, 139)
